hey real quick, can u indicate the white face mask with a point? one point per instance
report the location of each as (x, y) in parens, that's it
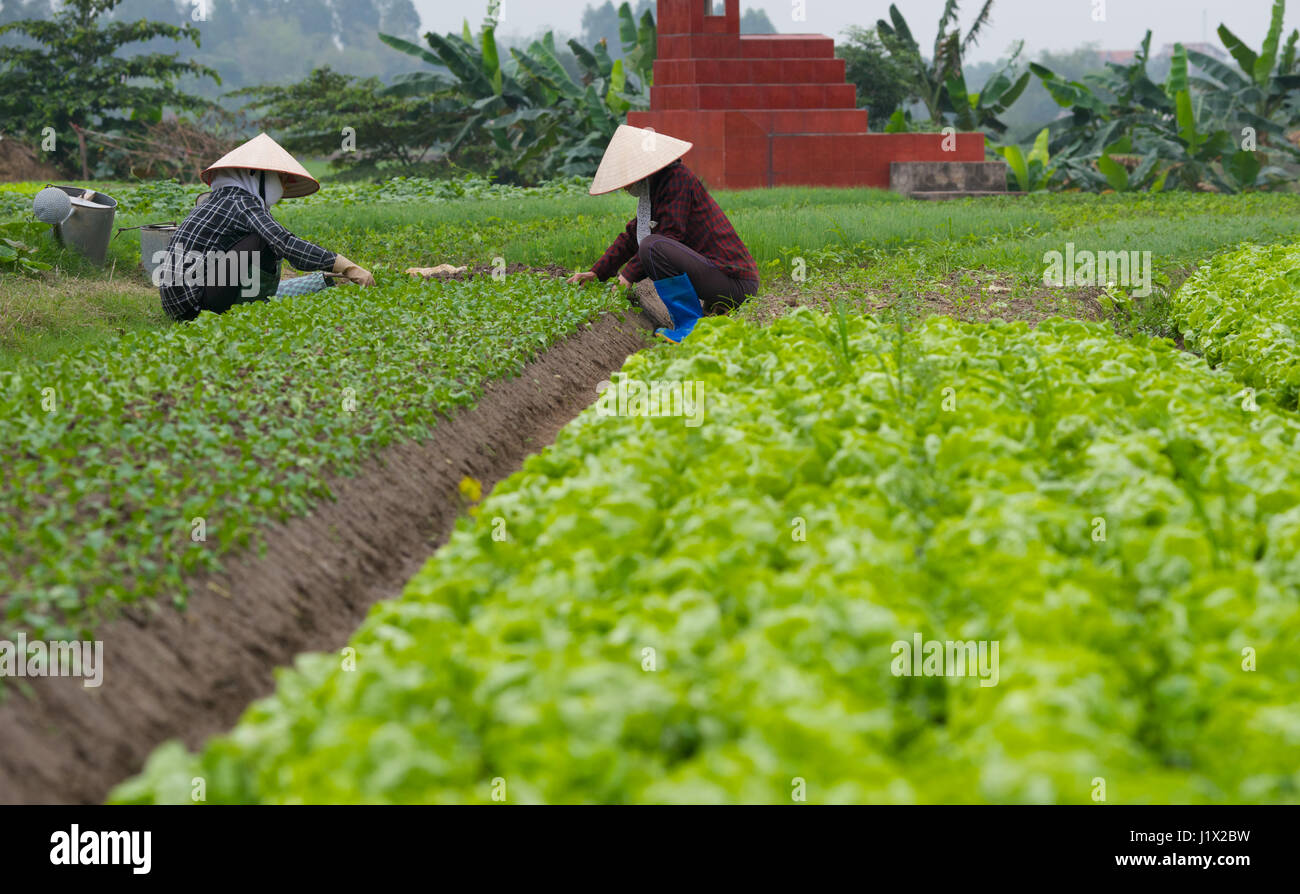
(251, 181)
(641, 189)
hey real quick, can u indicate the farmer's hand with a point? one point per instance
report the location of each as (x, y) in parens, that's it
(622, 281)
(585, 276)
(359, 275)
(353, 272)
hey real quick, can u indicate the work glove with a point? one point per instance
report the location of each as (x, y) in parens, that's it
(353, 272)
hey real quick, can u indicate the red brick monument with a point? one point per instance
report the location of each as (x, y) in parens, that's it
(772, 109)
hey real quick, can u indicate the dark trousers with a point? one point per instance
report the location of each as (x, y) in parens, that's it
(663, 258)
(220, 299)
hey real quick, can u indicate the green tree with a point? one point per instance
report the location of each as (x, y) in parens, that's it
(883, 82)
(73, 78)
(939, 82)
(539, 118)
(1265, 93)
(354, 121)
(930, 77)
(755, 21)
(601, 23)
(1126, 131)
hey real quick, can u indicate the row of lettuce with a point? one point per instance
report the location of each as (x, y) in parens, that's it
(1241, 310)
(133, 464)
(726, 604)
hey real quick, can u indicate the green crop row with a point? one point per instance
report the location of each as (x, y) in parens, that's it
(164, 198)
(1242, 312)
(715, 607)
(114, 461)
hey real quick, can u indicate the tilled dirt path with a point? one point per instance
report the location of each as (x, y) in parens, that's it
(190, 674)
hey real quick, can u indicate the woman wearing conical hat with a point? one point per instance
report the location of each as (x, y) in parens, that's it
(232, 236)
(681, 251)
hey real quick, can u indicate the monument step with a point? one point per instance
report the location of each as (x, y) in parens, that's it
(918, 177)
(962, 194)
(682, 72)
(757, 97)
(787, 46)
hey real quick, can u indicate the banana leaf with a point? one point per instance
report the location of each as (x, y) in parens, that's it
(1006, 97)
(416, 83)
(1237, 48)
(1116, 174)
(491, 60)
(543, 53)
(1243, 167)
(540, 73)
(648, 42)
(1268, 58)
(1018, 164)
(617, 84)
(587, 61)
(410, 49)
(1177, 82)
(627, 31)
(465, 67)
(1224, 74)
(601, 52)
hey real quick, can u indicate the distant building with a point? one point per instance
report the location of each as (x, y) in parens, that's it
(1124, 57)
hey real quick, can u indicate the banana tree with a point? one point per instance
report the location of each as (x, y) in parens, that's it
(1265, 93)
(1031, 172)
(526, 103)
(980, 111)
(640, 43)
(1125, 132)
(930, 78)
(1106, 111)
(486, 89)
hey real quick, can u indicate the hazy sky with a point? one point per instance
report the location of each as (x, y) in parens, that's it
(1043, 24)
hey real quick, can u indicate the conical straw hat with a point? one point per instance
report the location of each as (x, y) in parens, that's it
(634, 154)
(264, 154)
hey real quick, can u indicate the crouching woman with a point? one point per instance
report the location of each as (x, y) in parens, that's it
(232, 235)
(681, 251)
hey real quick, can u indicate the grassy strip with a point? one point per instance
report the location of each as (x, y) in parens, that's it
(116, 459)
(687, 613)
(877, 242)
(1242, 311)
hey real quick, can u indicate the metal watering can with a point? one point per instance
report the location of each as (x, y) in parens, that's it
(88, 227)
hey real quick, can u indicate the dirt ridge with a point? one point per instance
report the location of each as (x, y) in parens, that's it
(190, 674)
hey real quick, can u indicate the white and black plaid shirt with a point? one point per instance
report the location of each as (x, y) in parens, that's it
(228, 214)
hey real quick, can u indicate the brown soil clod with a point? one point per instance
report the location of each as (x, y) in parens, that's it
(189, 674)
(554, 270)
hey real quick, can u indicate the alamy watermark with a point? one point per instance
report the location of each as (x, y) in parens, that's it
(633, 397)
(178, 267)
(57, 658)
(90, 848)
(1129, 269)
(951, 658)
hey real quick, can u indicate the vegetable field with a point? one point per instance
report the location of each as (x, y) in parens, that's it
(832, 502)
(117, 457)
(914, 525)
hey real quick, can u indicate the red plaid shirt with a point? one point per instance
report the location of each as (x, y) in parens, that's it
(682, 210)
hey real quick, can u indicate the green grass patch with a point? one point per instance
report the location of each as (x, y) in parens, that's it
(877, 241)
